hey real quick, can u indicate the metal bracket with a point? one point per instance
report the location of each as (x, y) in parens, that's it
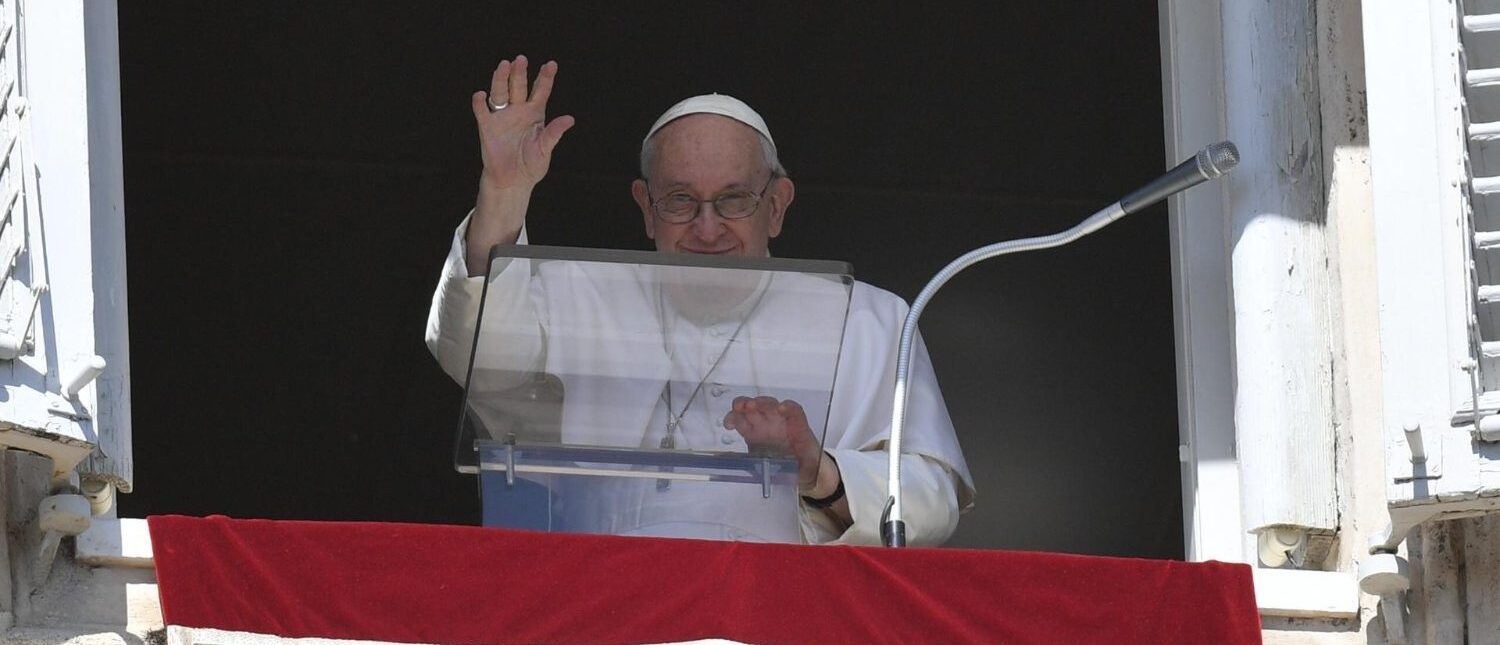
(1426, 461)
(510, 462)
(765, 477)
(66, 408)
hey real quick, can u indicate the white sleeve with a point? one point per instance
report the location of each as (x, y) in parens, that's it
(455, 310)
(935, 483)
(929, 501)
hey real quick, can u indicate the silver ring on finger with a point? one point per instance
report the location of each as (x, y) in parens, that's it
(493, 106)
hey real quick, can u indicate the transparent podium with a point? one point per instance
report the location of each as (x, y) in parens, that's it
(601, 383)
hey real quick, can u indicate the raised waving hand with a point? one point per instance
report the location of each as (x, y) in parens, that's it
(515, 143)
(515, 140)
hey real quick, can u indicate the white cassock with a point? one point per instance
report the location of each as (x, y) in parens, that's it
(700, 373)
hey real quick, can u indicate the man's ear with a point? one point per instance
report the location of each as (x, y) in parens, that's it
(781, 193)
(643, 200)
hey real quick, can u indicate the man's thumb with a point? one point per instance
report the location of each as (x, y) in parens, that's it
(554, 132)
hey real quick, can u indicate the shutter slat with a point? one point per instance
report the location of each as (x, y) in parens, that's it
(1482, 23)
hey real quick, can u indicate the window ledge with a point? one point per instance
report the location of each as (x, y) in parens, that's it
(110, 542)
(1306, 594)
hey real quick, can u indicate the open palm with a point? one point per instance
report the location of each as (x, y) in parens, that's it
(516, 142)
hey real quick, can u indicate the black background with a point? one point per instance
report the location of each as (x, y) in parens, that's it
(294, 172)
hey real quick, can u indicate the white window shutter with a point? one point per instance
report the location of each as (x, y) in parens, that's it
(63, 341)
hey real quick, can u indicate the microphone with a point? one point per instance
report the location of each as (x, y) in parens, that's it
(1211, 162)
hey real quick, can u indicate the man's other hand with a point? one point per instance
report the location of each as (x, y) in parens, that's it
(779, 427)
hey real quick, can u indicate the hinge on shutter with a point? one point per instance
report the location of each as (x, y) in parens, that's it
(1482, 413)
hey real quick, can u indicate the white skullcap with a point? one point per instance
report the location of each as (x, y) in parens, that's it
(720, 104)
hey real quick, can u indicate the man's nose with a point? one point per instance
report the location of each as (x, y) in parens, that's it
(707, 225)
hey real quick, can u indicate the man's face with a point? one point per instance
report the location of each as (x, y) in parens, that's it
(706, 156)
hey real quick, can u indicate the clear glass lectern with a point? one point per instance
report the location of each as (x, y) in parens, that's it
(600, 383)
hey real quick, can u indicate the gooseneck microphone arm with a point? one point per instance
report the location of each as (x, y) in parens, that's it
(1210, 163)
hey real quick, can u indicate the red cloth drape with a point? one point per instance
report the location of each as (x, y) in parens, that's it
(451, 584)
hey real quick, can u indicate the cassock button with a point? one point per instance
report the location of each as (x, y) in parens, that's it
(717, 390)
(726, 438)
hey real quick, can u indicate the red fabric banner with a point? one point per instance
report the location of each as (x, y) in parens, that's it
(469, 585)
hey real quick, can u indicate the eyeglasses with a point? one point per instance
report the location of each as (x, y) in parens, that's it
(682, 207)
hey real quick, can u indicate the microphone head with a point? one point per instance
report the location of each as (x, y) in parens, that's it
(1217, 159)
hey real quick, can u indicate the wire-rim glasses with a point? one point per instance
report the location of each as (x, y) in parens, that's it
(681, 207)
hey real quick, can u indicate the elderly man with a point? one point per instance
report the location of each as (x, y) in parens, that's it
(712, 184)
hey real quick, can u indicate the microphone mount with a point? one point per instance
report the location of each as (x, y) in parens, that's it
(1211, 162)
